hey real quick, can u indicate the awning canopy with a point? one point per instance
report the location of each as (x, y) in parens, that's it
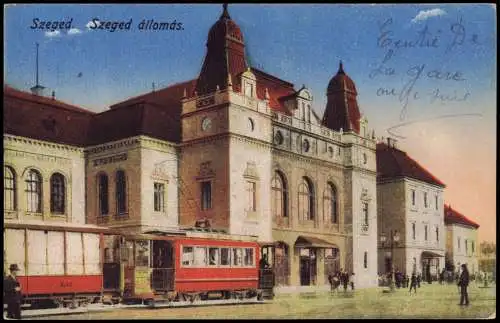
(307, 241)
(431, 254)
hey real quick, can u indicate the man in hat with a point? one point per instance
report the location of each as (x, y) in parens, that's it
(463, 282)
(12, 293)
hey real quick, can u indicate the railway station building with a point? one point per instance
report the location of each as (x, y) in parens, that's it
(235, 149)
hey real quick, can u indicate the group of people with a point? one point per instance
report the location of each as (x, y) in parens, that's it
(341, 278)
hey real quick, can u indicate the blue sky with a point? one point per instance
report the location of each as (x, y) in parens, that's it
(301, 44)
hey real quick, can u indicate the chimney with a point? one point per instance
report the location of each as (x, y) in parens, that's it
(391, 142)
(53, 95)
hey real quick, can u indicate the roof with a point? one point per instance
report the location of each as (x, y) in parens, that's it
(394, 163)
(155, 114)
(42, 118)
(277, 89)
(342, 110)
(452, 216)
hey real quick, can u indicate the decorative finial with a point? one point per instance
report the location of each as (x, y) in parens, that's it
(53, 95)
(217, 88)
(341, 68)
(225, 13)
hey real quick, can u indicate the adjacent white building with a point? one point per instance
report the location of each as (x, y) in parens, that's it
(410, 201)
(461, 241)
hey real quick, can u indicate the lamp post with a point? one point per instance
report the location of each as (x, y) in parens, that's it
(393, 240)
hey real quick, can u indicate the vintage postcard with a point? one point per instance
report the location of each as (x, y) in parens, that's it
(242, 161)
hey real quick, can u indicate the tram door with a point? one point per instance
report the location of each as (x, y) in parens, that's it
(163, 265)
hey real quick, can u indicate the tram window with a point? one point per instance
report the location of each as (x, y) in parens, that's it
(187, 256)
(249, 257)
(213, 256)
(237, 256)
(224, 257)
(142, 253)
(200, 256)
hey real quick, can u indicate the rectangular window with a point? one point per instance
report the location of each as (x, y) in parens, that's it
(159, 197)
(237, 257)
(472, 246)
(365, 213)
(249, 257)
(413, 230)
(425, 233)
(466, 246)
(425, 200)
(365, 260)
(206, 195)
(250, 190)
(436, 201)
(437, 234)
(458, 243)
(225, 257)
(413, 197)
(187, 256)
(200, 256)
(213, 256)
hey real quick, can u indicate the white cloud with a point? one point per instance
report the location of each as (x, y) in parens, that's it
(74, 31)
(54, 33)
(425, 14)
(93, 24)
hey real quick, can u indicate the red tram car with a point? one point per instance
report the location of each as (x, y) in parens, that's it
(74, 265)
(197, 266)
(59, 264)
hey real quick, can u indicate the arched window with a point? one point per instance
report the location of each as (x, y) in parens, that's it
(9, 189)
(103, 194)
(306, 200)
(57, 194)
(330, 204)
(121, 193)
(279, 199)
(34, 191)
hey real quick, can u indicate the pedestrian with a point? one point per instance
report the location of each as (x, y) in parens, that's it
(413, 282)
(263, 264)
(352, 281)
(345, 280)
(419, 278)
(463, 282)
(12, 293)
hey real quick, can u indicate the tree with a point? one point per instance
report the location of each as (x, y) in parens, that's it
(488, 249)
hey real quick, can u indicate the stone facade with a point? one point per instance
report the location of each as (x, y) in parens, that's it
(23, 154)
(145, 161)
(462, 246)
(401, 207)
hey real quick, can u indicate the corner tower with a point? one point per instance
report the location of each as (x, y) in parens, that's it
(225, 158)
(225, 56)
(342, 111)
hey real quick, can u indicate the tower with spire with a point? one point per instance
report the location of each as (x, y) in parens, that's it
(225, 55)
(225, 136)
(342, 111)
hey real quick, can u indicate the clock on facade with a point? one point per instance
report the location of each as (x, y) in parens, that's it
(206, 123)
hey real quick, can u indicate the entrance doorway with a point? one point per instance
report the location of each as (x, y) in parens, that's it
(281, 264)
(307, 266)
